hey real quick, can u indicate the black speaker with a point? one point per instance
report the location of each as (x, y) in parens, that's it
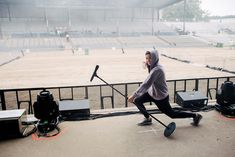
(191, 99)
(72, 109)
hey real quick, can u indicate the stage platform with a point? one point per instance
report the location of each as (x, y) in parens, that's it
(119, 136)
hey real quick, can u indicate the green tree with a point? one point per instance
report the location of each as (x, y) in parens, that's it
(193, 12)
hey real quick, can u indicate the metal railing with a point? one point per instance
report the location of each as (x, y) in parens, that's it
(99, 95)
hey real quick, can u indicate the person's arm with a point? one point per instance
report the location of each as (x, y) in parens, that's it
(153, 75)
(143, 88)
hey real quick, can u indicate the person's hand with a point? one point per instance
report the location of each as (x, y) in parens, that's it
(131, 99)
(144, 65)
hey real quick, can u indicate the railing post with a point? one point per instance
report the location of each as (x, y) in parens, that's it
(196, 84)
(174, 90)
(17, 100)
(72, 92)
(112, 98)
(101, 100)
(208, 86)
(86, 92)
(3, 103)
(30, 102)
(59, 94)
(126, 102)
(217, 83)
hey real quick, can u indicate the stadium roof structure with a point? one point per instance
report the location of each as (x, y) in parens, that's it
(109, 4)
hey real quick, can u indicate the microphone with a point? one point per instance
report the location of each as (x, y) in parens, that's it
(94, 73)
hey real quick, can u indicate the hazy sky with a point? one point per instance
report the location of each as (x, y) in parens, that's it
(219, 7)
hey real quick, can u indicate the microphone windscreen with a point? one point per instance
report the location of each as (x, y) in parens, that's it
(94, 73)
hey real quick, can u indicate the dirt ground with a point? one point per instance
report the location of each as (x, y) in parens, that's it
(63, 68)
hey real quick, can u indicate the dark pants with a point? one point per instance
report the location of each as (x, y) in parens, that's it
(163, 105)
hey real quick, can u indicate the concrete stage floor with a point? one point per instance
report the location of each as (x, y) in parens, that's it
(119, 136)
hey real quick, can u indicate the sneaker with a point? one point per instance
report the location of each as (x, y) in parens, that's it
(197, 119)
(146, 121)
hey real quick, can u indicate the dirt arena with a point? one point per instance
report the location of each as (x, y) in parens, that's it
(64, 68)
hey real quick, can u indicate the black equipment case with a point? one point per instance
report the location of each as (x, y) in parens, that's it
(191, 99)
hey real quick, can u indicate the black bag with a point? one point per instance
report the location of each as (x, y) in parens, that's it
(225, 96)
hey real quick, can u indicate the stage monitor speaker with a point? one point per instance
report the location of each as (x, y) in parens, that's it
(191, 99)
(11, 123)
(74, 108)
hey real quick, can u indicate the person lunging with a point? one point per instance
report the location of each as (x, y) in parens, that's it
(154, 89)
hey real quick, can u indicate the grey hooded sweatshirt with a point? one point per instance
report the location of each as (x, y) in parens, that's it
(155, 83)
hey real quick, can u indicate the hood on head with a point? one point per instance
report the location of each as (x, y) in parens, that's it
(154, 58)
